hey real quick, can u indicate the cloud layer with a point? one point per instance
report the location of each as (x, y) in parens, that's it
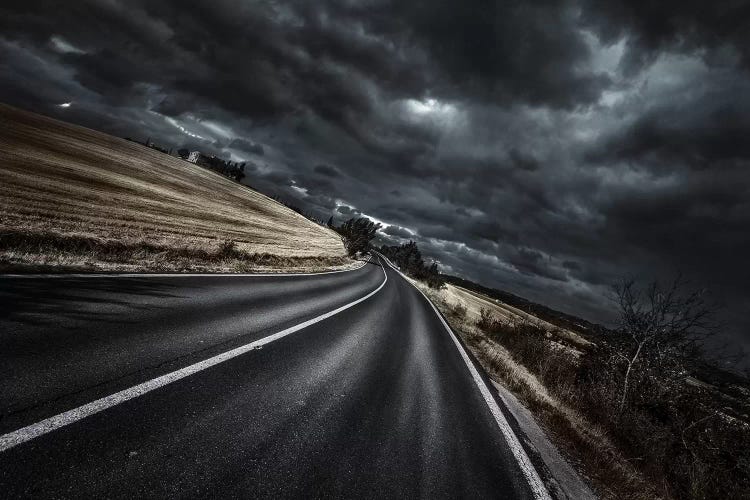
(546, 150)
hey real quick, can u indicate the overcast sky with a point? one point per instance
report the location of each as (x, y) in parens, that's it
(546, 150)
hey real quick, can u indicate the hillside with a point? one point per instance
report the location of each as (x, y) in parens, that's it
(540, 311)
(565, 372)
(475, 302)
(74, 198)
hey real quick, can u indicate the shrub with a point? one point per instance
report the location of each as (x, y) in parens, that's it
(679, 435)
(458, 310)
(227, 248)
(489, 323)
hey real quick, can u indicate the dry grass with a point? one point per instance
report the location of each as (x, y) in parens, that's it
(53, 252)
(678, 441)
(59, 181)
(475, 302)
(586, 445)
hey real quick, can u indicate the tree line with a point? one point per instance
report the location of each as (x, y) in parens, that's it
(358, 234)
(227, 168)
(408, 257)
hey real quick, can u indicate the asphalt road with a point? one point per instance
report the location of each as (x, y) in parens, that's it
(376, 400)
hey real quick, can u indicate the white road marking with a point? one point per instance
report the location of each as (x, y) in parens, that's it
(8, 441)
(179, 275)
(532, 476)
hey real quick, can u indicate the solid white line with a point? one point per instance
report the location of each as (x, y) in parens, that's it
(179, 275)
(8, 441)
(532, 476)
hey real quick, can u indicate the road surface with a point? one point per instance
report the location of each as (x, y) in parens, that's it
(332, 385)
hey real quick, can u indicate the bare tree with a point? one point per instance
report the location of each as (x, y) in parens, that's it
(662, 330)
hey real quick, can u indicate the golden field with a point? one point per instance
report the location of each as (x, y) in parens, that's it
(73, 198)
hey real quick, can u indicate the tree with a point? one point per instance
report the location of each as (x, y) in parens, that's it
(408, 257)
(433, 277)
(358, 233)
(661, 332)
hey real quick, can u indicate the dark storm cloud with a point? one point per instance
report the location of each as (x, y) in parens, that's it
(248, 146)
(398, 231)
(524, 161)
(669, 138)
(547, 149)
(653, 27)
(508, 50)
(533, 263)
(345, 210)
(327, 170)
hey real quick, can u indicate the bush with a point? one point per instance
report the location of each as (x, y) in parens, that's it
(680, 436)
(489, 324)
(458, 310)
(227, 248)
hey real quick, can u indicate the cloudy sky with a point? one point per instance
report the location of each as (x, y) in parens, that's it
(544, 149)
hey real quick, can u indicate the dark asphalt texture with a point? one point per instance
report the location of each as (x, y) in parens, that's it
(374, 402)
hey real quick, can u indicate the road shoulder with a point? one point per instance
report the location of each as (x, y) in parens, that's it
(559, 476)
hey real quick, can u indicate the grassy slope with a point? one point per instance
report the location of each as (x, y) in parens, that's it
(583, 428)
(70, 196)
(475, 302)
(585, 445)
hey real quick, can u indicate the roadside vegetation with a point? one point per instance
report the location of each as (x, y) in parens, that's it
(637, 409)
(51, 252)
(75, 199)
(358, 233)
(409, 259)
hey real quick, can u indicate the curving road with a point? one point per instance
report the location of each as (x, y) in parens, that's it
(342, 384)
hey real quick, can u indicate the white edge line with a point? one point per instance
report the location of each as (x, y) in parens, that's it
(532, 476)
(24, 434)
(177, 275)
